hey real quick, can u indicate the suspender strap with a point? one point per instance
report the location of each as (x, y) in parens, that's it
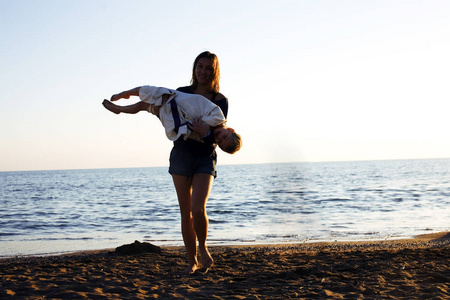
(175, 114)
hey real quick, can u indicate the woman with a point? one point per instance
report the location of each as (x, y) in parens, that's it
(193, 165)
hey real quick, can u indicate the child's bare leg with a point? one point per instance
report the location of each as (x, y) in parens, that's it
(111, 106)
(128, 109)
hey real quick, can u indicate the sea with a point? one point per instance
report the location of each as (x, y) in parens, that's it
(54, 212)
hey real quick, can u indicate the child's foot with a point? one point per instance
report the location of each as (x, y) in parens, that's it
(111, 106)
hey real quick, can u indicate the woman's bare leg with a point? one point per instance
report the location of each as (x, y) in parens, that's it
(183, 186)
(201, 187)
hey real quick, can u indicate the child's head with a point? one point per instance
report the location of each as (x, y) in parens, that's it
(228, 140)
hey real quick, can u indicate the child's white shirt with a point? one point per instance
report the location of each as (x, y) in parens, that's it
(189, 106)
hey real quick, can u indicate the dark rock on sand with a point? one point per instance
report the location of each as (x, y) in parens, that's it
(138, 248)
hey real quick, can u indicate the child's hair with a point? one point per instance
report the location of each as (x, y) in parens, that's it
(237, 144)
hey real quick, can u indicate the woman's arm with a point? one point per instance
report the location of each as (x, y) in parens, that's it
(126, 94)
(222, 102)
(200, 127)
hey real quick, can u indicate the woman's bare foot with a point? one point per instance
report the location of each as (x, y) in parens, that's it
(111, 106)
(207, 260)
(190, 269)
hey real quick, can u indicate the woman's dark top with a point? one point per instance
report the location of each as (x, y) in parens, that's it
(193, 146)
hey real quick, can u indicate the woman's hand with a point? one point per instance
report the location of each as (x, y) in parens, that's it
(200, 127)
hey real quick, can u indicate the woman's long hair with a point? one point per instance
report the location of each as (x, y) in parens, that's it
(214, 83)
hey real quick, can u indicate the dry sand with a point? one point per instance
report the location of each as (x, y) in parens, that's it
(403, 269)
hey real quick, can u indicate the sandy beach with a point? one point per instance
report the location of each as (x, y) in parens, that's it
(400, 269)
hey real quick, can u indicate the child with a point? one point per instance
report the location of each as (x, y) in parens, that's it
(190, 115)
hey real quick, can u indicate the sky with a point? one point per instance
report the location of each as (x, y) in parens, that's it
(318, 80)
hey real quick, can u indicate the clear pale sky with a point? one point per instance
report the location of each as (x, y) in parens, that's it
(306, 80)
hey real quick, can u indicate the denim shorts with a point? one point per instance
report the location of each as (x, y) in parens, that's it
(187, 164)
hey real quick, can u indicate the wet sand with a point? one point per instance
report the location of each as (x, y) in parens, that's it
(401, 269)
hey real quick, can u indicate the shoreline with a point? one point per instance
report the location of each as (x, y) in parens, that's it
(429, 236)
(402, 268)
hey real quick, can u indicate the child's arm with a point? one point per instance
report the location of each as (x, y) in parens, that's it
(126, 94)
